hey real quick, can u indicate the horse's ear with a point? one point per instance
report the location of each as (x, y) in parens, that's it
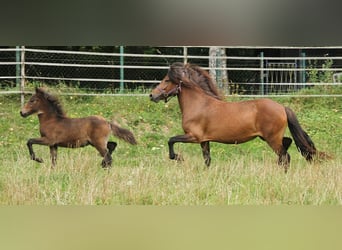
(40, 90)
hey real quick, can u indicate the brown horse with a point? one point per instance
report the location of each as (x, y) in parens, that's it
(206, 117)
(57, 130)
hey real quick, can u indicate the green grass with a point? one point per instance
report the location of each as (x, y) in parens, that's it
(143, 174)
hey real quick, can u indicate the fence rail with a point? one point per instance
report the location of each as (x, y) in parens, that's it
(115, 73)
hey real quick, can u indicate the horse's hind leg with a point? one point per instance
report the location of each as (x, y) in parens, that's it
(280, 146)
(287, 142)
(206, 152)
(284, 157)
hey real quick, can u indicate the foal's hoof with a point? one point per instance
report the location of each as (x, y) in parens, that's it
(40, 160)
(177, 158)
(106, 165)
(207, 162)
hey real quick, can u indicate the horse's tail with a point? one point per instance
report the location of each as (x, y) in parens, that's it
(122, 133)
(302, 140)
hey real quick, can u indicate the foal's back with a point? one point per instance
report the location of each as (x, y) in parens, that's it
(76, 132)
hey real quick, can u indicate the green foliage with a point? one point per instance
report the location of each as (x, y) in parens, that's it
(316, 76)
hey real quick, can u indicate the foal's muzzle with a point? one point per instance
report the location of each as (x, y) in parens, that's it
(24, 114)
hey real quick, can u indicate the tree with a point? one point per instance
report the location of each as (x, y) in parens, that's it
(216, 61)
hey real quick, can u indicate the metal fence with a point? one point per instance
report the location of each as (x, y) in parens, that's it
(250, 70)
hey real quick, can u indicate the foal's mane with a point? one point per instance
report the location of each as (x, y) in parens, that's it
(54, 102)
(192, 75)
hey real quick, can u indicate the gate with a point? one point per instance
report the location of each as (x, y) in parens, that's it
(275, 79)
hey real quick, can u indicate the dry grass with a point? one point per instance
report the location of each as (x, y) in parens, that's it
(152, 180)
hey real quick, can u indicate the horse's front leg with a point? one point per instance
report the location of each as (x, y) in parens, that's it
(53, 155)
(179, 138)
(30, 142)
(206, 152)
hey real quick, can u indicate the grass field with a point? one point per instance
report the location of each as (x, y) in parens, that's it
(143, 174)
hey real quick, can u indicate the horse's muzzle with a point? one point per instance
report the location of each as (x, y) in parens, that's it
(24, 114)
(155, 98)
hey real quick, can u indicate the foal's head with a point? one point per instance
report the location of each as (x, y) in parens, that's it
(42, 102)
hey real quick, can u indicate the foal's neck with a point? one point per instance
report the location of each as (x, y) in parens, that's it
(47, 115)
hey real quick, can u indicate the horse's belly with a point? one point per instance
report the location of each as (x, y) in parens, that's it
(233, 137)
(234, 140)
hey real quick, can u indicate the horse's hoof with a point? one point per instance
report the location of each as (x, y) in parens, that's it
(40, 160)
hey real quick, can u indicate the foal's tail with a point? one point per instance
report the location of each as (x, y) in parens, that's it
(122, 133)
(302, 140)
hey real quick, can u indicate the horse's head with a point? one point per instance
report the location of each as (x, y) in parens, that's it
(170, 85)
(165, 90)
(34, 104)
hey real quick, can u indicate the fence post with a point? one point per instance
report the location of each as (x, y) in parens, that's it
(22, 75)
(303, 65)
(262, 73)
(17, 67)
(185, 54)
(122, 77)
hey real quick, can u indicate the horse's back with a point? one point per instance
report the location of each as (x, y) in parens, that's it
(252, 109)
(266, 102)
(260, 117)
(271, 109)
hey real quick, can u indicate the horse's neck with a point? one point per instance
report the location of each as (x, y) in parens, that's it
(191, 100)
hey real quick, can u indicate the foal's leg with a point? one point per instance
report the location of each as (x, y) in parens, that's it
(107, 160)
(111, 147)
(179, 138)
(104, 152)
(206, 152)
(39, 141)
(53, 155)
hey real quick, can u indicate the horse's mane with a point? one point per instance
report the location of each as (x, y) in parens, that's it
(192, 75)
(54, 102)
